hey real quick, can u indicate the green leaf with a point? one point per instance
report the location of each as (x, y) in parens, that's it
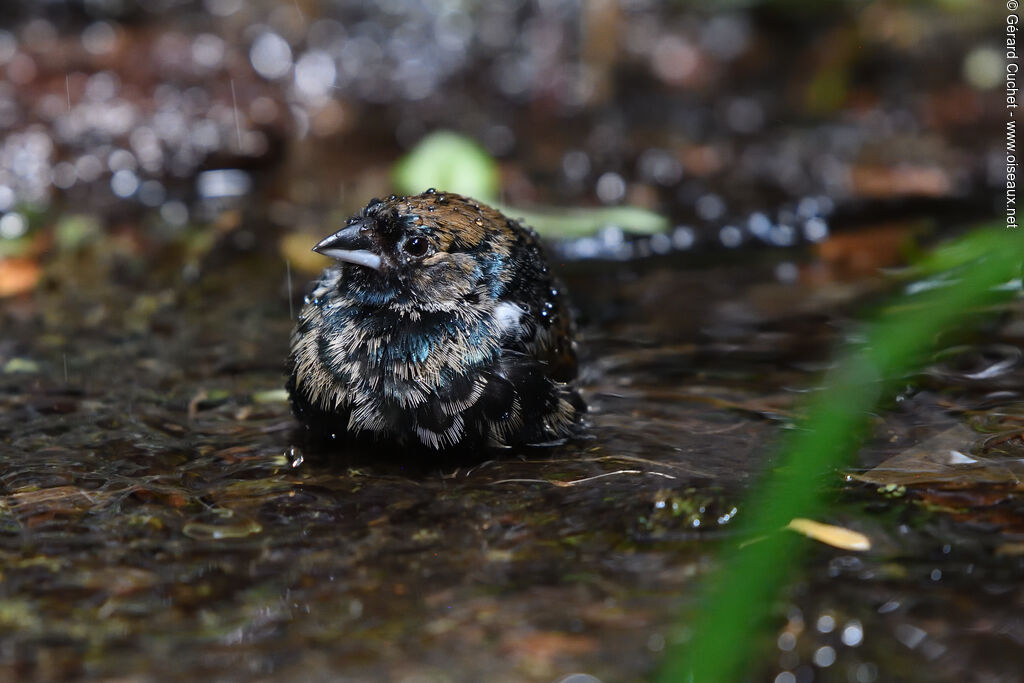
(449, 162)
(453, 163)
(568, 223)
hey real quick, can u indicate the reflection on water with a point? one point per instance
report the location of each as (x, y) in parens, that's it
(156, 499)
(163, 171)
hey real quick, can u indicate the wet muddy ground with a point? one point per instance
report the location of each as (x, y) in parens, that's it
(162, 177)
(159, 513)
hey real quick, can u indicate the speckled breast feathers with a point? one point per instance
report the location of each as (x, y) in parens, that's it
(440, 326)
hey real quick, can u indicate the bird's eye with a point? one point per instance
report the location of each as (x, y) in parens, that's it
(416, 246)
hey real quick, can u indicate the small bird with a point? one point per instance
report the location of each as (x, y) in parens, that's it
(440, 326)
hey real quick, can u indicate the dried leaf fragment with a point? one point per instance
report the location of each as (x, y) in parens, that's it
(829, 534)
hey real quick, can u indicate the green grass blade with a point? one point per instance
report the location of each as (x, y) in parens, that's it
(739, 598)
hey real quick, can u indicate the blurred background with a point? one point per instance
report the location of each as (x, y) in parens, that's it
(758, 117)
(726, 187)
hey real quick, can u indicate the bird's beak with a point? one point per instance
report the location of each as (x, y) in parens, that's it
(351, 244)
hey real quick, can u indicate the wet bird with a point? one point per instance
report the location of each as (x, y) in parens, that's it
(439, 327)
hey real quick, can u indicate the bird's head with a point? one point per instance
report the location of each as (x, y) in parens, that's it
(432, 250)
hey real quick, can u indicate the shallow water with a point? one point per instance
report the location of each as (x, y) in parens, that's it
(162, 177)
(159, 513)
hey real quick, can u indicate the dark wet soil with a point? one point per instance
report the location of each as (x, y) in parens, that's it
(161, 520)
(158, 512)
